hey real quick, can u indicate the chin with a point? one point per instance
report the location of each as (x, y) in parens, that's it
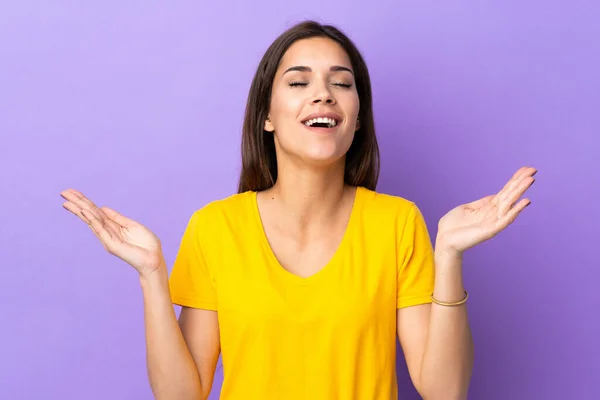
(323, 157)
(318, 152)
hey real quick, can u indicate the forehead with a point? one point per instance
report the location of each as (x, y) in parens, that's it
(315, 53)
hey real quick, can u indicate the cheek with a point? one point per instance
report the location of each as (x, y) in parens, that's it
(353, 104)
(285, 104)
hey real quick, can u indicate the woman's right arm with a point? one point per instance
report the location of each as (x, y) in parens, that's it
(181, 357)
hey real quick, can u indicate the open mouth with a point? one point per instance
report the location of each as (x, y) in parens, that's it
(321, 122)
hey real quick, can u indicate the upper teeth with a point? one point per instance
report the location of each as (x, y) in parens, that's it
(329, 121)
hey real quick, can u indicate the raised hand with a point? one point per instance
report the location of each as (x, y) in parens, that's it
(470, 224)
(120, 236)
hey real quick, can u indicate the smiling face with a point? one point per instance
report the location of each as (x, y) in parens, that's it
(314, 103)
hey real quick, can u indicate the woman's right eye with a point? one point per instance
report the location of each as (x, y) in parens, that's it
(298, 84)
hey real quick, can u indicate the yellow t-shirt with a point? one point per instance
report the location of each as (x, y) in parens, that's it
(326, 337)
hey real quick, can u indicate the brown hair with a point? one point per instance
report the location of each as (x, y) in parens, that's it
(259, 162)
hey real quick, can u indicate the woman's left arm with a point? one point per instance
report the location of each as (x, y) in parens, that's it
(436, 338)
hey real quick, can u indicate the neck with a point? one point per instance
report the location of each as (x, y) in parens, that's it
(305, 195)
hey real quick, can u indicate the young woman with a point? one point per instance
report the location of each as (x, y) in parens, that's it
(304, 279)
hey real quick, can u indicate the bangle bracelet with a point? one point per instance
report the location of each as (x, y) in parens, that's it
(458, 303)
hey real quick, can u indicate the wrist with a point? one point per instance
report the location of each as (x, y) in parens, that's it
(448, 273)
(444, 251)
(154, 275)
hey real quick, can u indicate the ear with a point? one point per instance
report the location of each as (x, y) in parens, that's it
(357, 124)
(268, 125)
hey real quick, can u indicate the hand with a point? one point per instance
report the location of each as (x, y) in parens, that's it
(120, 236)
(470, 224)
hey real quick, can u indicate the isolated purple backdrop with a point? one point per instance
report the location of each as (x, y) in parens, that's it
(139, 105)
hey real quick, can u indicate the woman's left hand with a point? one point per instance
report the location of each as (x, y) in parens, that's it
(470, 224)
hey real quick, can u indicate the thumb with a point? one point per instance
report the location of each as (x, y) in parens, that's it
(118, 218)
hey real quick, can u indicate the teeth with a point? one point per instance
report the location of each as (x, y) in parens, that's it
(329, 121)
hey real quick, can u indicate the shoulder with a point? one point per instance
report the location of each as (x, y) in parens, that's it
(382, 212)
(386, 205)
(231, 208)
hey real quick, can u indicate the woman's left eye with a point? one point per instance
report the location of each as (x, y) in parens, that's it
(341, 84)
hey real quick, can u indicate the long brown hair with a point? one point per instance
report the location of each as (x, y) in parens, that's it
(259, 162)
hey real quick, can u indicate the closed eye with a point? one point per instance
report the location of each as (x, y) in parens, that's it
(345, 85)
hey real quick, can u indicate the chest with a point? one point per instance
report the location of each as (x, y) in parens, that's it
(357, 285)
(304, 258)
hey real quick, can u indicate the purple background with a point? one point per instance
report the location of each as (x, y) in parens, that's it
(139, 105)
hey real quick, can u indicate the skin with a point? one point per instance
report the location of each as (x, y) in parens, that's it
(309, 208)
(306, 212)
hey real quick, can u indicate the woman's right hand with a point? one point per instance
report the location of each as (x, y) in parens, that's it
(130, 241)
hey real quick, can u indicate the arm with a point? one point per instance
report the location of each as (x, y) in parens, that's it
(181, 358)
(436, 340)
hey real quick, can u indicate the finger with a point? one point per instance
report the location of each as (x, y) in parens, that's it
(507, 203)
(99, 229)
(77, 203)
(76, 210)
(501, 195)
(116, 217)
(78, 200)
(77, 197)
(112, 227)
(481, 202)
(84, 203)
(89, 220)
(513, 183)
(77, 192)
(508, 187)
(511, 215)
(98, 236)
(524, 172)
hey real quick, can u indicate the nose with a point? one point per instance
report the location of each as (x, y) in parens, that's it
(323, 95)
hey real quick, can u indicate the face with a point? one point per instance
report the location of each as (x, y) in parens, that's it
(314, 103)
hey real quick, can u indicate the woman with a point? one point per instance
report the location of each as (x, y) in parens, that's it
(303, 280)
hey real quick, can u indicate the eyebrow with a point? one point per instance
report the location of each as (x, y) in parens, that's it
(301, 68)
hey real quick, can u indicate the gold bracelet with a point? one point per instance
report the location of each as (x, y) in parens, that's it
(458, 303)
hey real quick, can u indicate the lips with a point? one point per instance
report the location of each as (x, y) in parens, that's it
(330, 115)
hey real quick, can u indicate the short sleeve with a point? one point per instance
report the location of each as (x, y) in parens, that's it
(191, 282)
(416, 264)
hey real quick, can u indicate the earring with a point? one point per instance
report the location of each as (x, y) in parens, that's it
(269, 118)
